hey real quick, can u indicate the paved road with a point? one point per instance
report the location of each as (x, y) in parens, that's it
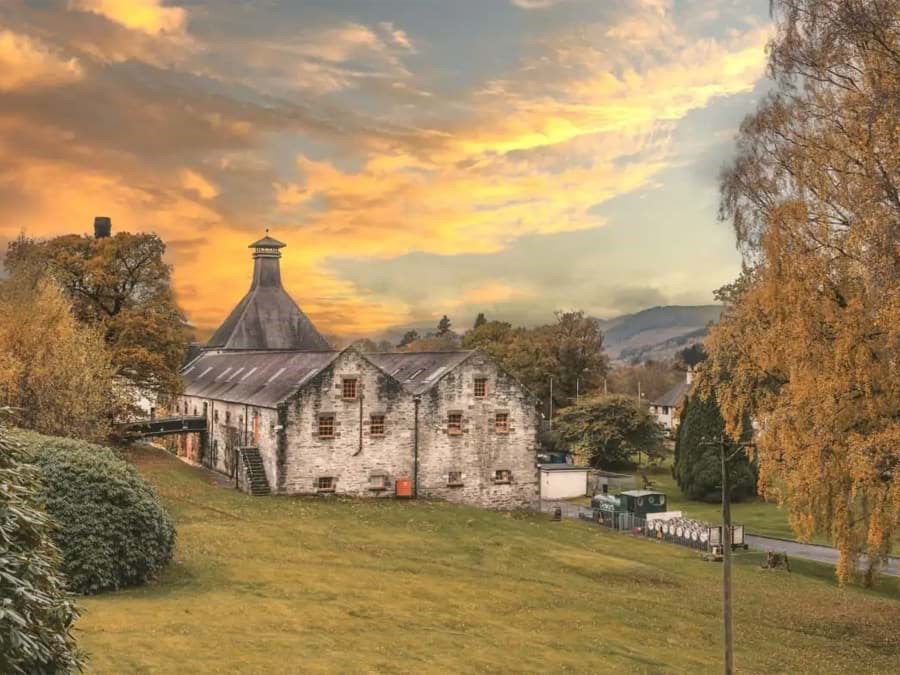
(816, 552)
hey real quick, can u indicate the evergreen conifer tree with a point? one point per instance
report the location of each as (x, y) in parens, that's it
(698, 468)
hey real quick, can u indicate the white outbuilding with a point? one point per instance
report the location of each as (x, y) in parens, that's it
(563, 481)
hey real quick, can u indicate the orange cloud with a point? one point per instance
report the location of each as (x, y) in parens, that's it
(146, 16)
(531, 153)
(27, 62)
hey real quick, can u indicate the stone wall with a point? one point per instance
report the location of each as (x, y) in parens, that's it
(231, 426)
(480, 450)
(364, 464)
(354, 457)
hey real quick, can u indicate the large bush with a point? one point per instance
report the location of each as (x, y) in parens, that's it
(698, 464)
(610, 430)
(36, 613)
(113, 531)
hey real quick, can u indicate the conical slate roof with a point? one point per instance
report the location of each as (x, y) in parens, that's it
(267, 318)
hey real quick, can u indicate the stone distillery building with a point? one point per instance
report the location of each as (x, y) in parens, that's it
(287, 414)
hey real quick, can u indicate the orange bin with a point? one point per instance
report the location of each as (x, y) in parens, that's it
(404, 487)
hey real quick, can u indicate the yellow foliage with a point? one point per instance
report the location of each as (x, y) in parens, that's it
(55, 370)
(810, 344)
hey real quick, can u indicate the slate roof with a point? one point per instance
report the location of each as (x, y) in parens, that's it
(674, 396)
(418, 371)
(267, 317)
(256, 378)
(267, 242)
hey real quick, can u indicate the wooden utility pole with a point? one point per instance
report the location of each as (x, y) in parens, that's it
(726, 564)
(727, 623)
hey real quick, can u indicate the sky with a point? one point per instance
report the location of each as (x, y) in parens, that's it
(418, 157)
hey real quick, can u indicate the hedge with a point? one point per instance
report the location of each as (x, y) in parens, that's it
(113, 531)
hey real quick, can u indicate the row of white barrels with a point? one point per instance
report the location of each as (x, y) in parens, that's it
(690, 532)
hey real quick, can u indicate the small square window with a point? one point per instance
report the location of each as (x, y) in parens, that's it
(378, 481)
(376, 425)
(349, 388)
(454, 478)
(326, 426)
(325, 484)
(501, 423)
(454, 423)
(502, 476)
(480, 387)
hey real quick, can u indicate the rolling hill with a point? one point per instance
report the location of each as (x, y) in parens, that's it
(657, 333)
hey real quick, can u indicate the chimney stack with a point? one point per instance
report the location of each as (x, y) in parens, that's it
(102, 227)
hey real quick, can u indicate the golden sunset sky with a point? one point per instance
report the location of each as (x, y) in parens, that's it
(419, 157)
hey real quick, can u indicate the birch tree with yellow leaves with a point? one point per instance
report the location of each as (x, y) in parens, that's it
(809, 345)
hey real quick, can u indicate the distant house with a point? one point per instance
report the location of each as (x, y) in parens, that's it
(667, 408)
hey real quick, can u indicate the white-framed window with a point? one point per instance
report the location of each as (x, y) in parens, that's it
(349, 388)
(378, 481)
(325, 484)
(376, 425)
(480, 387)
(501, 423)
(454, 423)
(502, 476)
(326, 426)
(454, 478)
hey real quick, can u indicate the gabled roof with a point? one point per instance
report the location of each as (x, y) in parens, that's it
(418, 371)
(674, 396)
(256, 378)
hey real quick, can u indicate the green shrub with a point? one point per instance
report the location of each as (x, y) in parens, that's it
(113, 531)
(36, 613)
(698, 465)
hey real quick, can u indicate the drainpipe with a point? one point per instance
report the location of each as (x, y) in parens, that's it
(360, 420)
(416, 447)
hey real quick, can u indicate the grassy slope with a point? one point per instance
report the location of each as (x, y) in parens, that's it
(296, 585)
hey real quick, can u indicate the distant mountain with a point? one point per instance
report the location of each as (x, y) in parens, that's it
(656, 333)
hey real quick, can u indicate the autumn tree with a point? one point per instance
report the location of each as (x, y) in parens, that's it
(55, 370)
(610, 431)
(570, 351)
(809, 342)
(480, 320)
(121, 286)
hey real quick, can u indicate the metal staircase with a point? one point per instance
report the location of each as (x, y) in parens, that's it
(257, 483)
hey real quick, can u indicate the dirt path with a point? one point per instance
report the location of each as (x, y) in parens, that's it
(817, 552)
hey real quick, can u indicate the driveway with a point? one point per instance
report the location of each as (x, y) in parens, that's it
(824, 554)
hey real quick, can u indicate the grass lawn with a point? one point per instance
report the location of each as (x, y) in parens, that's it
(289, 585)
